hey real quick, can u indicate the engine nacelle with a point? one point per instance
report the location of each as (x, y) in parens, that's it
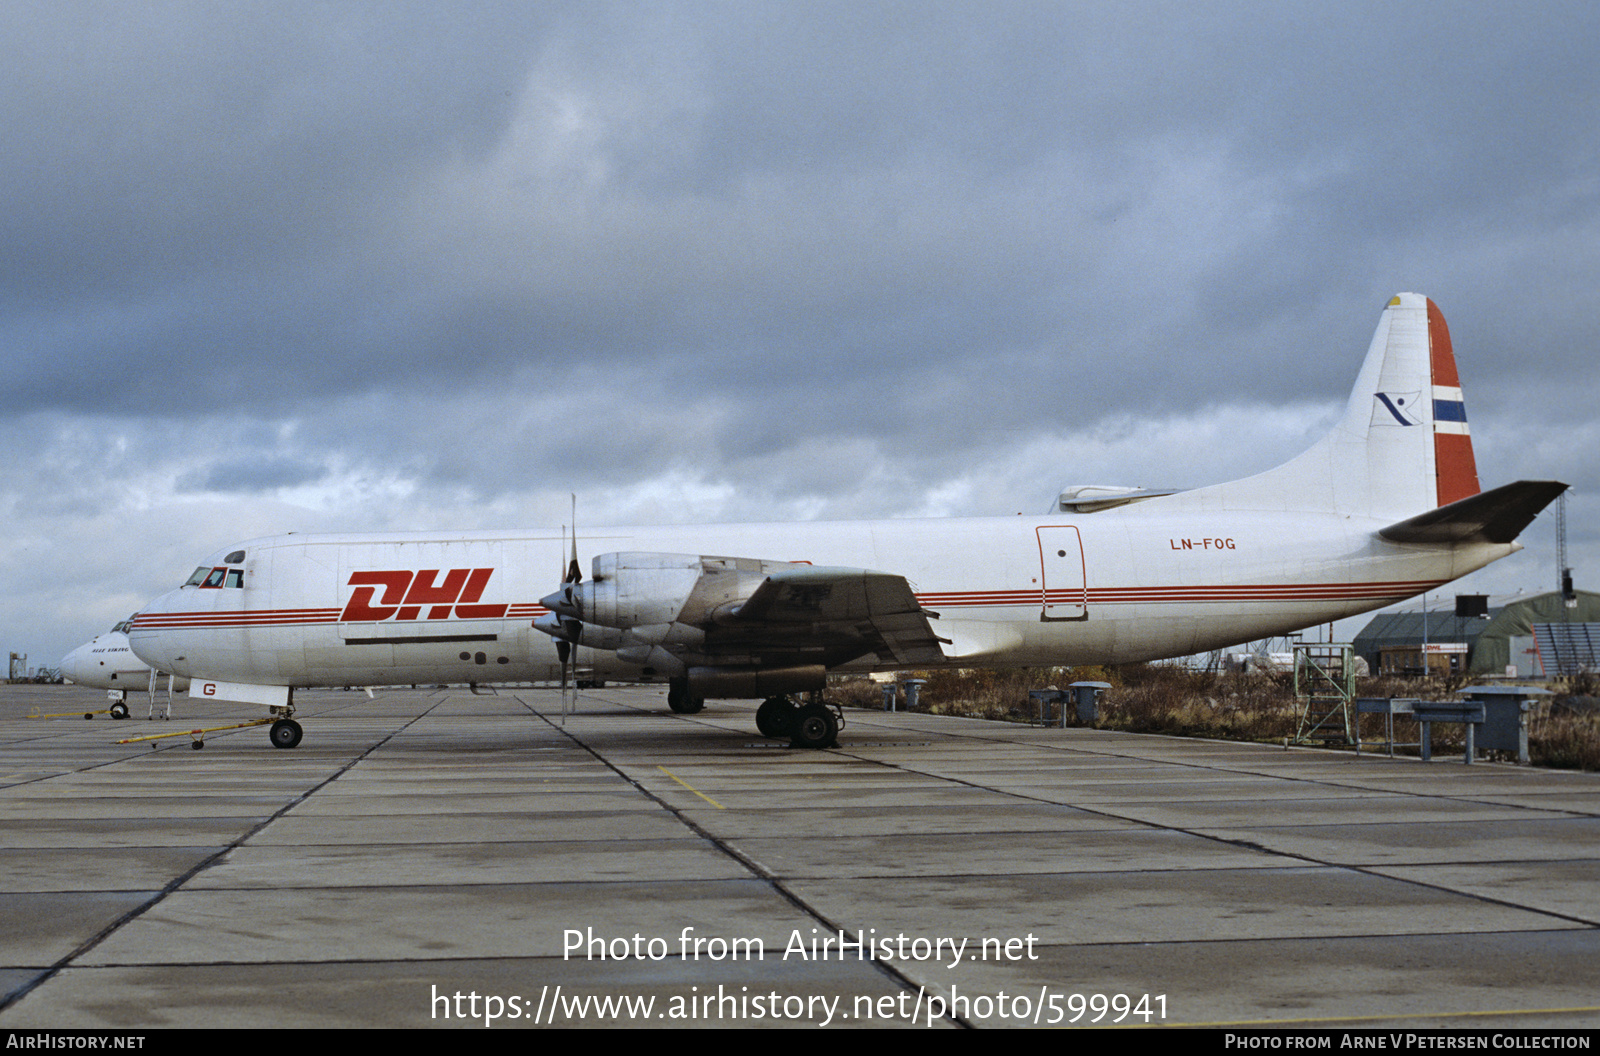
(636, 589)
(654, 657)
(678, 635)
(658, 611)
(568, 629)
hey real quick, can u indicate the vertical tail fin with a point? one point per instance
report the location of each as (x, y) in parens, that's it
(1402, 445)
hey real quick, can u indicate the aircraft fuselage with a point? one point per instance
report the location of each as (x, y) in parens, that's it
(1116, 586)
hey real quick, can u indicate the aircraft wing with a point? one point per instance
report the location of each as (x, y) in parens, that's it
(1495, 516)
(835, 611)
(741, 613)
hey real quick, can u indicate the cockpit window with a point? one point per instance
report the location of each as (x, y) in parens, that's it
(122, 628)
(235, 558)
(217, 576)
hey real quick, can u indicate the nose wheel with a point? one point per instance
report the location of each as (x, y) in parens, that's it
(285, 733)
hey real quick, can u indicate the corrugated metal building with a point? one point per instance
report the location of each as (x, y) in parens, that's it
(1392, 643)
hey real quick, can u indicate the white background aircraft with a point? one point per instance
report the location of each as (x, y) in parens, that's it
(1384, 507)
(106, 662)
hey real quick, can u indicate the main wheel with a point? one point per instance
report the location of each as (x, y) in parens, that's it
(679, 700)
(285, 733)
(813, 726)
(774, 716)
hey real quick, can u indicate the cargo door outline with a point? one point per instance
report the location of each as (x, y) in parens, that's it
(1063, 586)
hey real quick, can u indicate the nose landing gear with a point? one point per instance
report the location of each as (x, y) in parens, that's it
(285, 733)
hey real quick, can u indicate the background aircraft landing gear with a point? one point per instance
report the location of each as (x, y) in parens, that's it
(679, 700)
(814, 725)
(285, 733)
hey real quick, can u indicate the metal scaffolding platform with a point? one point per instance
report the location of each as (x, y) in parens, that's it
(1324, 686)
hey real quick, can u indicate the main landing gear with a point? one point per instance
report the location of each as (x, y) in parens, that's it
(814, 724)
(679, 700)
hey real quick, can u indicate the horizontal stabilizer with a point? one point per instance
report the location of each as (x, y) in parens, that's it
(1496, 516)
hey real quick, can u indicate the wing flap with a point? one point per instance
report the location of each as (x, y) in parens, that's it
(833, 606)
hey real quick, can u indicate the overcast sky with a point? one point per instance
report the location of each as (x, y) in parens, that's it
(296, 267)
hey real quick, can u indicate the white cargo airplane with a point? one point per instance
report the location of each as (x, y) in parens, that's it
(1386, 506)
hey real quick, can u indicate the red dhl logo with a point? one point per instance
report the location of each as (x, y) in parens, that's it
(406, 594)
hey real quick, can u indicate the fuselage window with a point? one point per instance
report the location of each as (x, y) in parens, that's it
(235, 558)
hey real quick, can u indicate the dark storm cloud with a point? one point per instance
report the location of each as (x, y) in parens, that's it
(190, 181)
(251, 475)
(232, 189)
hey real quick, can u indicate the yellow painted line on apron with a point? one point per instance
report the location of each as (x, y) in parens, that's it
(691, 788)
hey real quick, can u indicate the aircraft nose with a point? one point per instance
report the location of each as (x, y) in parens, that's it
(149, 647)
(72, 665)
(152, 644)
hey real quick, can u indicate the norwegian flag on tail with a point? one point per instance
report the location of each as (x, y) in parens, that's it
(1452, 443)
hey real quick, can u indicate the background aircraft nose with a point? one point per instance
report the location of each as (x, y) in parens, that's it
(74, 664)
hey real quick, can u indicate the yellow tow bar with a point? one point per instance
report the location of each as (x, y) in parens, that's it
(199, 736)
(116, 712)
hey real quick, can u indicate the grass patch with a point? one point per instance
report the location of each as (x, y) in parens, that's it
(1160, 698)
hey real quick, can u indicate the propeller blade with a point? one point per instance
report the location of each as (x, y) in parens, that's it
(574, 572)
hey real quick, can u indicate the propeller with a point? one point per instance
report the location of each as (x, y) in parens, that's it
(561, 603)
(564, 648)
(573, 576)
